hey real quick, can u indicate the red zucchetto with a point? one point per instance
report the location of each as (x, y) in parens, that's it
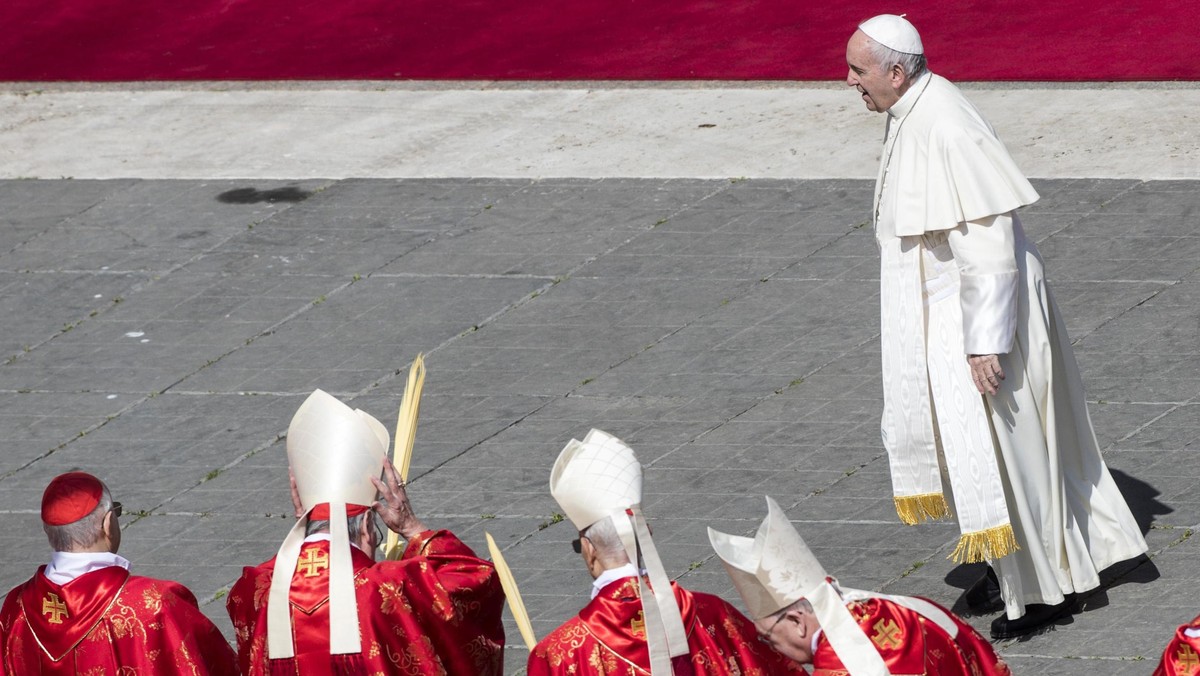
(70, 497)
(321, 512)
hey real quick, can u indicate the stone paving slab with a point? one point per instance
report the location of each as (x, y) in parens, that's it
(162, 332)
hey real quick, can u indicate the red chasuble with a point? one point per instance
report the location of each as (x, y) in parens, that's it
(436, 610)
(1182, 656)
(608, 637)
(910, 644)
(109, 622)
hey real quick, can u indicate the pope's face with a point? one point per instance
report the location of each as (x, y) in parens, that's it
(878, 88)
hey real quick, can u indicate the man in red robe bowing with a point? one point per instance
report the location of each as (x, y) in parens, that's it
(1182, 656)
(638, 622)
(85, 614)
(323, 605)
(807, 616)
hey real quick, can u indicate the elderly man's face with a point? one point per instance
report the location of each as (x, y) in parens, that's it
(790, 634)
(879, 88)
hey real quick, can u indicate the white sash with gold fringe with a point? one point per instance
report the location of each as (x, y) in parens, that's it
(932, 413)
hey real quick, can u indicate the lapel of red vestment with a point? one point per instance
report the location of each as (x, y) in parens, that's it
(616, 619)
(60, 616)
(310, 581)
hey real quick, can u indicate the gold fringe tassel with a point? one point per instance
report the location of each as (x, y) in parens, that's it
(913, 509)
(992, 543)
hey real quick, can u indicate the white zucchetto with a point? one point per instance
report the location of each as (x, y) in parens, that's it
(893, 32)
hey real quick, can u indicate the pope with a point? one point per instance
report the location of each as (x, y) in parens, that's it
(84, 613)
(984, 414)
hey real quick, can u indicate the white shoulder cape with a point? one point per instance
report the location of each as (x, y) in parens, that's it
(949, 165)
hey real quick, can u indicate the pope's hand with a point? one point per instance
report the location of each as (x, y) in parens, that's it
(394, 507)
(986, 372)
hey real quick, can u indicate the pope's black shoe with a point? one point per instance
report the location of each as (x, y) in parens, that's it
(1037, 615)
(984, 595)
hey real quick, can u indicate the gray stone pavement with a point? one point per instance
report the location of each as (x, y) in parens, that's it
(160, 333)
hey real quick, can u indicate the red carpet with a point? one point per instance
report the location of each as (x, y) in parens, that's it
(1056, 40)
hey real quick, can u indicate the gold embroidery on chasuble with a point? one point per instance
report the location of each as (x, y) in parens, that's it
(55, 608)
(887, 634)
(859, 611)
(1186, 660)
(637, 626)
(262, 589)
(464, 608)
(441, 604)
(602, 660)
(393, 598)
(563, 642)
(258, 647)
(152, 600)
(312, 563)
(182, 657)
(406, 662)
(123, 621)
(482, 651)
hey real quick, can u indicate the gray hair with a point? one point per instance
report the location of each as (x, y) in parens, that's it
(84, 533)
(353, 524)
(800, 605)
(885, 57)
(606, 540)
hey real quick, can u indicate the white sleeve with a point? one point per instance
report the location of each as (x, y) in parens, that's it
(985, 253)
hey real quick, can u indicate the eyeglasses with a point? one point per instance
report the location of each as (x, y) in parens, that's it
(116, 510)
(765, 636)
(577, 543)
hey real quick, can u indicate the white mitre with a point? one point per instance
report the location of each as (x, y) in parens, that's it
(595, 478)
(333, 452)
(893, 32)
(601, 477)
(775, 568)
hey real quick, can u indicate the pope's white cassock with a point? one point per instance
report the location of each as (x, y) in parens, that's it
(1020, 470)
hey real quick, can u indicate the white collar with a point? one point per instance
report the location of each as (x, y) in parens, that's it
(816, 637)
(66, 566)
(903, 106)
(612, 575)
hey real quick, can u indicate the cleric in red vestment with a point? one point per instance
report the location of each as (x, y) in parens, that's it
(1182, 656)
(807, 616)
(435, 610)
(85, 614)
(629, 628)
